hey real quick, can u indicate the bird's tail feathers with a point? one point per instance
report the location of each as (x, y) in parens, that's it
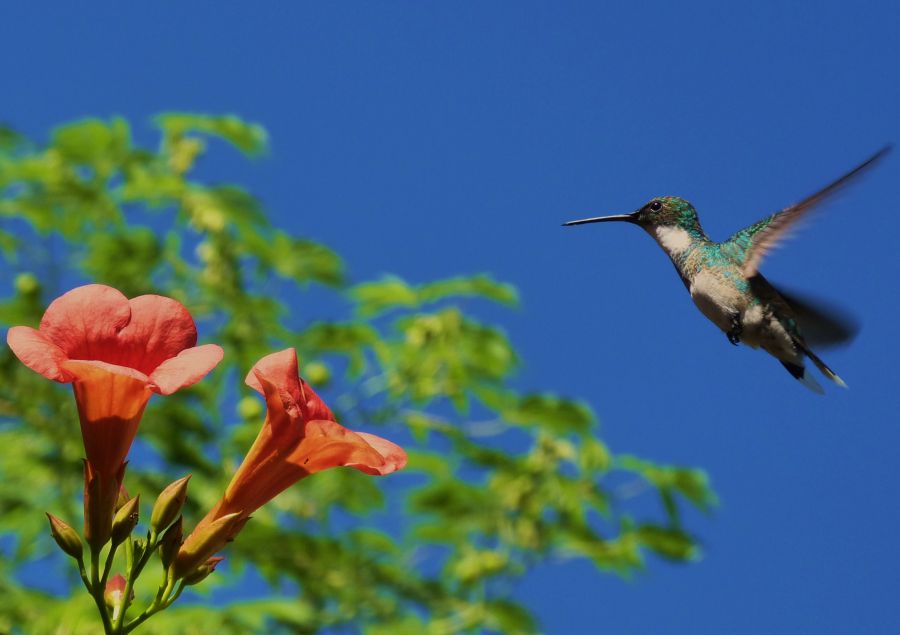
(823, 368)
(802, 374)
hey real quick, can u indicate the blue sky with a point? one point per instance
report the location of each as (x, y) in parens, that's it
(456, 137)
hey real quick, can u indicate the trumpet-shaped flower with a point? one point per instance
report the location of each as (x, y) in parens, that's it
(299, 437)
(116, 353)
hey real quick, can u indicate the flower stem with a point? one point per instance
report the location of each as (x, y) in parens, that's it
(164, 599)
(96, 591)
(107, 565)
(133, 571)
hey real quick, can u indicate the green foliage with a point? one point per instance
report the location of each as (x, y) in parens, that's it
(97, 207)
(392, 292)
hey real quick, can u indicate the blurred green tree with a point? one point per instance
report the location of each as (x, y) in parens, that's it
(437, 552)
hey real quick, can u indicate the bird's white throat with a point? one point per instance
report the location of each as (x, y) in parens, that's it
(674, 240)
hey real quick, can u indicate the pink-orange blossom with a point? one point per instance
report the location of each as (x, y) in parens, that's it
(116, 353)
(299, 437)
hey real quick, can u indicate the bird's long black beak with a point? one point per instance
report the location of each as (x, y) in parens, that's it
(628, 218)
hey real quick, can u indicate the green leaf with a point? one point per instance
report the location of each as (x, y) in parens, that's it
(94, 142)
(506, 616)
(669, 543)
(479, 286)
(388, 293)
(555, 414)
(391, 292)
(121, 259)
(251, 139)
(10, 140)
(303, 260)
(475, 564)
(691, 483)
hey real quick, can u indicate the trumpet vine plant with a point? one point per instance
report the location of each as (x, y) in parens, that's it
(496, 480)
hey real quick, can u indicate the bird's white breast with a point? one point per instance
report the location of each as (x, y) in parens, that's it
(716, 297)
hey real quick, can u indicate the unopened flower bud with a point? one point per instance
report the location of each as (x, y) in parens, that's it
(317, 373)
(114, 595)
(202, 572)
(203, 544)
(66, 537)
(171, 542)
(138, 545)
(249, 408)
(168, 506)
(125, 520)
(123, 497)
(27, 284)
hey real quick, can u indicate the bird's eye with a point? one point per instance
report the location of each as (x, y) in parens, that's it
(655, 206)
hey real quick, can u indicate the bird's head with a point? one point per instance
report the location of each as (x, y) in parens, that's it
(662, 211)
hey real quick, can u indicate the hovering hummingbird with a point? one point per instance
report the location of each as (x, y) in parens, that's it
(724, 280)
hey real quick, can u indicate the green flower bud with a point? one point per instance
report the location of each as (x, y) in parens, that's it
(202, 572)
(249, 408)
(122, 498)
(27, 284)
(316, 373)
(202, 544)
(66, 537)
(168, 506)
(171, 542)
(125, 520)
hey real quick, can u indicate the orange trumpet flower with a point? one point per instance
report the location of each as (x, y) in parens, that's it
(299, 437)
(116, 353)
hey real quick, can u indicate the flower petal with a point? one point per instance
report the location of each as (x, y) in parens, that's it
(291, 445)
(315, 408)
(96, 322)
(280, 370)
(185, 369)
(160, 328)
(85, 321)
(110, 404)
(328, 444)
(394, 456)
(82, 368)
(38, 353)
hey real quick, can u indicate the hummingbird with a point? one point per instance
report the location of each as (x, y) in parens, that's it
(725, 284)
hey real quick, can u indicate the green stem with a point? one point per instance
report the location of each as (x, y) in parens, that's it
(83, 573)
(96, 591)
(134, 570)
(107, 565)
(164, 599)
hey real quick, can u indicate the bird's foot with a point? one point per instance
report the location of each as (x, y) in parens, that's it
(734, 335)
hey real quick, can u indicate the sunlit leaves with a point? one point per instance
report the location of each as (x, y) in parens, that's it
(350, 339)
(136, 251)
(392, 292)
(9, 138)
(691, 483)
(296, 259)
(668, 542)
(480, 286)
(151, 180)
(499, 478)
(445, 354)
(546, 411)
(249, 138)
(94, 142)
(26, 307)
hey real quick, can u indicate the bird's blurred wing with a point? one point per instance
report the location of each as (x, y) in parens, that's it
(822, 324)
(755, 241)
